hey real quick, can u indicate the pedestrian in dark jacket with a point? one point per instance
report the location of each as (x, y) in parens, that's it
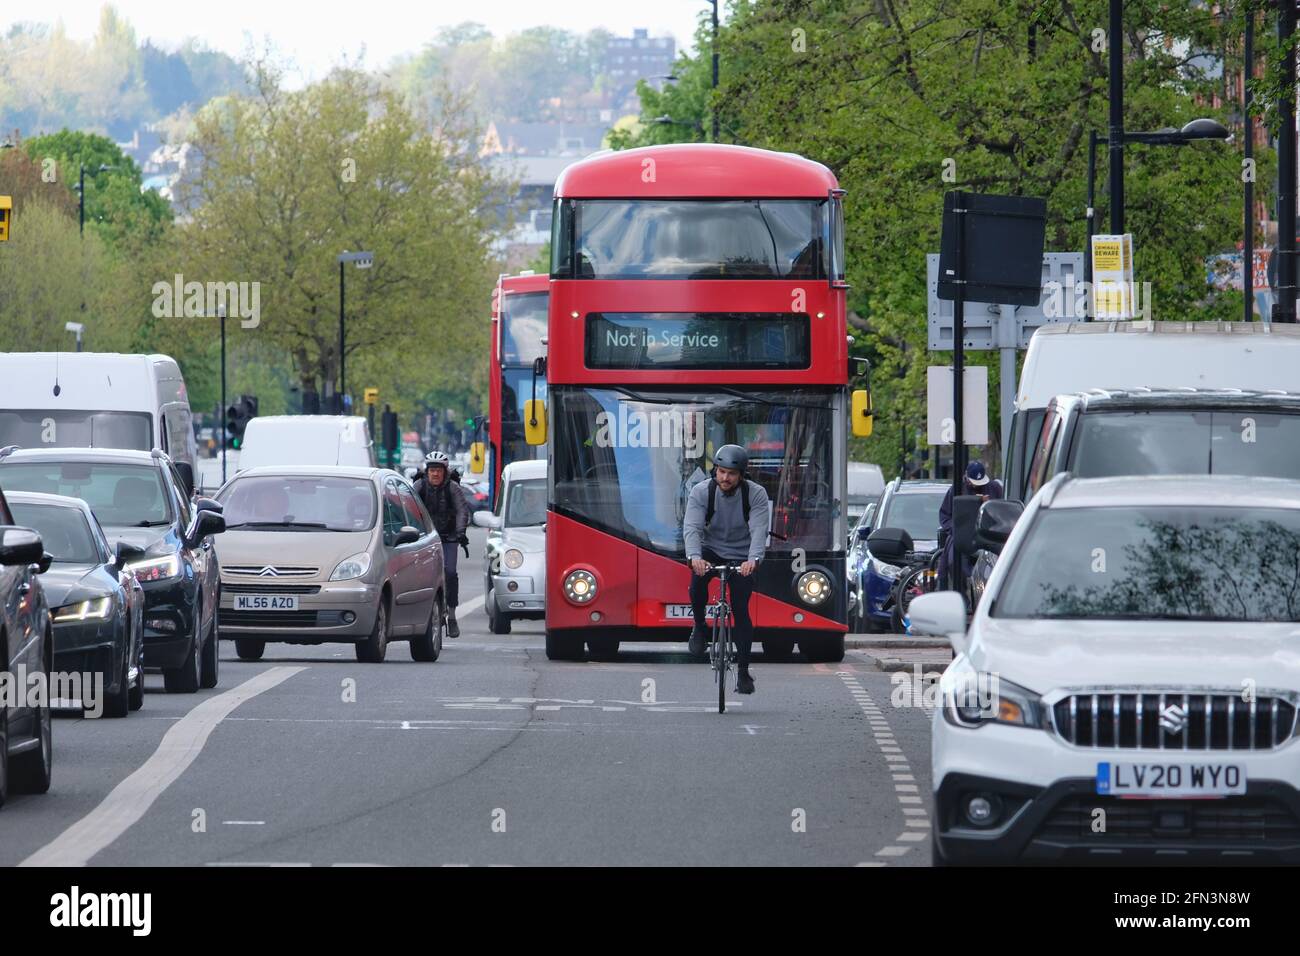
(977, 482)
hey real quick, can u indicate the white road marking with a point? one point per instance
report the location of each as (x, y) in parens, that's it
(900, 770)
(132, 798)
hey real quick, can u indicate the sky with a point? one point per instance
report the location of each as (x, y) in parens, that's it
(316, 34)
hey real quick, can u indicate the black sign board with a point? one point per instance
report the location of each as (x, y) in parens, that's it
(1002, 249)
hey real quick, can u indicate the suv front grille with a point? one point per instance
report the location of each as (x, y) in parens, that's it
(1175, 721)
(1262, 820)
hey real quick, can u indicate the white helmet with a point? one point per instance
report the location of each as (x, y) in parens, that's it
(436, 459)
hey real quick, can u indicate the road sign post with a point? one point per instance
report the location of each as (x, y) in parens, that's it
(1007, 328)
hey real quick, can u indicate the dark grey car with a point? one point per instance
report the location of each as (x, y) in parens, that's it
(26, 649)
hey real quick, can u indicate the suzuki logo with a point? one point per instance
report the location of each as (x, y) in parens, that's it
(268, 573)
(1173, 719)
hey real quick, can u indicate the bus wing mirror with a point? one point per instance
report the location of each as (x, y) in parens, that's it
(477, 453)
(535, 421)
(862, 413)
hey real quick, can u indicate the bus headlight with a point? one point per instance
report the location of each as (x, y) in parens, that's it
(514, 558)
(813, 587)
(580, 587)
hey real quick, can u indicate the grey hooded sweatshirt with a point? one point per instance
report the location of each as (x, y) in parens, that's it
(727, 534)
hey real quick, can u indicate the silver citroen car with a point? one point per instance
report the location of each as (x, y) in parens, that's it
(515, 561)
(329, 554)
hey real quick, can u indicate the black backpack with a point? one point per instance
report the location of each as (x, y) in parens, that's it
(713, 494)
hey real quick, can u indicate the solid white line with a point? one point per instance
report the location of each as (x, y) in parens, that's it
(132, 798)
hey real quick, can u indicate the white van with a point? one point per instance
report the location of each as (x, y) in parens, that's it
(307, 440)
(95, 400)
(866, 484)
(1082, 355)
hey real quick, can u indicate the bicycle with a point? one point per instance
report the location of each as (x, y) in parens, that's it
(919, 576)
(722, 651)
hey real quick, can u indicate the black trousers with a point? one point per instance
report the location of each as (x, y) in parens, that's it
(741, 588)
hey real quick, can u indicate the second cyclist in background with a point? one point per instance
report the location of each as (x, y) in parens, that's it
(450, 513)
(726, 523)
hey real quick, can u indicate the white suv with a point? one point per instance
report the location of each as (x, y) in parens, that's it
(1128, 687)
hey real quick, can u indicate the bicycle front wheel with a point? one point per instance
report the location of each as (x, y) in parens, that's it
(724, 641)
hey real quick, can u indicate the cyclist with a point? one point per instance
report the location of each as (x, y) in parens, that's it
(726, 521)
(446, 504)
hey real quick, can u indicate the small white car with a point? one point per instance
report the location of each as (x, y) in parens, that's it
(515, 559)
(1128, 687)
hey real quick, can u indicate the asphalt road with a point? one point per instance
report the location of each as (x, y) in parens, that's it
(493, 755)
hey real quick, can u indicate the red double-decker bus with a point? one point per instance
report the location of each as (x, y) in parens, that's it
(518, 327)
(697, 299)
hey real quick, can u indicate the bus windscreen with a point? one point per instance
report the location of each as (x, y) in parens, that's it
(691, 239)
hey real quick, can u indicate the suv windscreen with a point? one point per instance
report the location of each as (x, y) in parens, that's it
(1157, 562)
(120, 495)
(1168, 442)
(294, 503)
(916, 512)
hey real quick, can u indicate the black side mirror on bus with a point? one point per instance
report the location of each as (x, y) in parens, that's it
(891, 545)
(995, 523)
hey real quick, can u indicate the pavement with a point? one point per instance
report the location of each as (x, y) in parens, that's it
(494, 756)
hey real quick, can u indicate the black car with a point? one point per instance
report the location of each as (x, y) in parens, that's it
(96, 605)
(26, 650)
(140, 498)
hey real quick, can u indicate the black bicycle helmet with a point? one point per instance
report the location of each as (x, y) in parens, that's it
(731, 456)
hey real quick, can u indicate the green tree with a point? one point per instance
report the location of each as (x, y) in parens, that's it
(292, 179)
(907, 99)
(115, 205)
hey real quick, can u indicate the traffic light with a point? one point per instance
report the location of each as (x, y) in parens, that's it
(238, 416)
(391, 439)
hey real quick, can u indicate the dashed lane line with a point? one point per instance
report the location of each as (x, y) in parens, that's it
(131, 799)
(915, 819)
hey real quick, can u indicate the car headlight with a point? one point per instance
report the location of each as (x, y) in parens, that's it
(514, 558)
(96, 609)
(974, 698)
(351, 567)
(883, 569)
(813, 587)
(580, 587)
(156, 569)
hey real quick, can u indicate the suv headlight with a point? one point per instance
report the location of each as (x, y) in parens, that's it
(352, 567)
(156, 569)
(883, 569)
(96, 609)
(513, 558)
(974, 698)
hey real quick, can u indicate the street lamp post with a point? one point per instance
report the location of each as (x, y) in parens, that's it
(713, 102)
(1197, 129)
(1115, 37)
(362, 260)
